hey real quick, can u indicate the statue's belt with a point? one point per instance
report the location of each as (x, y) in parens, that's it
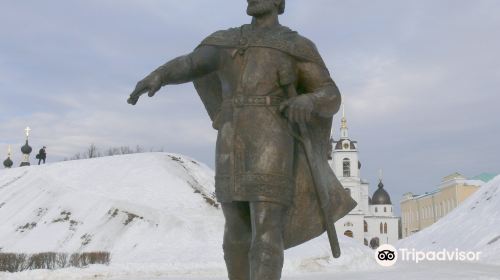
(253, 100)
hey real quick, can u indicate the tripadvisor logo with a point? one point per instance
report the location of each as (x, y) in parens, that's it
(386, 255)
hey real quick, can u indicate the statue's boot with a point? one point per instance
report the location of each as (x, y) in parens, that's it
(266, 261)
(236, 257)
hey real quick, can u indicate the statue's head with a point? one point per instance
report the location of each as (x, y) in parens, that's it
(261, 7)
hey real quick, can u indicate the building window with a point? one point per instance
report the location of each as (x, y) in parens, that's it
(385, 209)
(381, 228)
(366, 226)
(348, 233)
(347, 167)
(376, 210)
(385, 227)
(366, 242)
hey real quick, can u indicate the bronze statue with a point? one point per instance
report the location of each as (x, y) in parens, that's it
(271, 98)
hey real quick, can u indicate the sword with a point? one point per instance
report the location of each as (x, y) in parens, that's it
(321, 190)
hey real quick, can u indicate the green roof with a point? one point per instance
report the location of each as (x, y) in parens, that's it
(485, 177)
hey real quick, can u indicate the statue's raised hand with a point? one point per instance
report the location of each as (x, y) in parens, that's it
(151, 84)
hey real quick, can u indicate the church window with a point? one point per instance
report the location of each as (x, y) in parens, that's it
(346, 164)
(385, 209)
(385, 227)
(366, 226)
(349, 233)
(376, 210)
(348, 224)
(381, 228)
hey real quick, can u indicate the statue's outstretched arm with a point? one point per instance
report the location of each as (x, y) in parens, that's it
(182, 69)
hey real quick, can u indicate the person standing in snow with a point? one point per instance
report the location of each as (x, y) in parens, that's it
(42, 155)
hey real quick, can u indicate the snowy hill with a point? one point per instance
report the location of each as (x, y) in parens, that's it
(110, 204)
(154, 212)
(473, 226)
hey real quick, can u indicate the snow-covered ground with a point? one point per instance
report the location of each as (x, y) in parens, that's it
(142, 208)
(156, 214)
(473, 226)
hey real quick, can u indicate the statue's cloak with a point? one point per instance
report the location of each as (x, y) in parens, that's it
(305, 219)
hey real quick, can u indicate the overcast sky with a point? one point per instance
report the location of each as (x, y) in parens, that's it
(420, 79)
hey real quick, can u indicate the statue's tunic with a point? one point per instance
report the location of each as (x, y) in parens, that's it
(257, 155)
(255, 144)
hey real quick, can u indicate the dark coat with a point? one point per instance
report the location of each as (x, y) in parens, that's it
(42, 154)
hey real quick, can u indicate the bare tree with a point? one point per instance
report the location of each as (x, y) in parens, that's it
(139, 149)
(92, 151)
(125, 150)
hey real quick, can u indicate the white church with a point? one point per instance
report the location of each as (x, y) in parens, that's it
(372, 221)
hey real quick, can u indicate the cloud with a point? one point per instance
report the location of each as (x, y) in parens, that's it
(420, 79)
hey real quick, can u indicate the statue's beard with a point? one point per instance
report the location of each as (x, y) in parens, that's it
(256, 9)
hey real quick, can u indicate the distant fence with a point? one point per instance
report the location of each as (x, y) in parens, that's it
(13, 262)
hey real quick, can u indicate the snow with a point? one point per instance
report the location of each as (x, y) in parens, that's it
(100, 195)
(154, 212)
(473, 226)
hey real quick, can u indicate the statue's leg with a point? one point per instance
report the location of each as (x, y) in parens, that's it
(266, 252)
(237, 238)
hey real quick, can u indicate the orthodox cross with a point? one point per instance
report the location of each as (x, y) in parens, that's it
(27, 129)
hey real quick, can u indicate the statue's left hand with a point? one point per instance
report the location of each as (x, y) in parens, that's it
(151, 84)
(298, 109)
